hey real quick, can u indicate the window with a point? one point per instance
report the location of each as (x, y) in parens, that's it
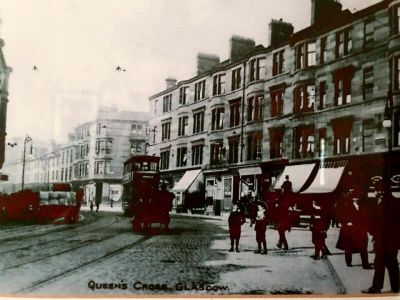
(278, 63)
(217, 85)
(369, 30)
(305, 55)
(138, 146)
(182, 95)
(368, 82)
(396, 74)
(254, 109)
(368, 130)
(217, 118)
(342, 83)
(234, 113)
(166, 131)
(344, 43)
(167, 102)
(254, 146)
(236, 79)
(276, 142)
(304, 98)
(181, 156)
(277, 96)
(215, 153)
(323, 50)
(322, 95)
(256, 65)
(341, 135)
(182, 124)
(198, 122)
(304, 142)
(164, 160)
(102, 147)
(98, 168)
(199, 90)
(396, 19)
(233, 155)
(197, 155)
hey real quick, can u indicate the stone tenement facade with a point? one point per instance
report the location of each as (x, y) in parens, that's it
(319, 95)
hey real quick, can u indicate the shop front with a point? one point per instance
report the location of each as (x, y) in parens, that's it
(190, 192)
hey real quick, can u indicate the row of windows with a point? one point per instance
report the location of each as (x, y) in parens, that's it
(305, 56)
(100, 167)
(305, 100)
(304, 144)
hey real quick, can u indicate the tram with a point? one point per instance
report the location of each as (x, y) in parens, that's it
(142, 198)
(58, 206)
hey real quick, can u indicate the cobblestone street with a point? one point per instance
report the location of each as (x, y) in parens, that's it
(102, 256)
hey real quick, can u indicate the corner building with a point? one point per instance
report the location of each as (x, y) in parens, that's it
(320, 105)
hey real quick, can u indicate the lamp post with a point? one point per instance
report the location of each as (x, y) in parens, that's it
(27, 139)
(387, 123)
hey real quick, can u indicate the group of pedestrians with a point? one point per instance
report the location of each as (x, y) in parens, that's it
(356, 220)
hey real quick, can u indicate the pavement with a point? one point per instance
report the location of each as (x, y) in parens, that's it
(349, 280)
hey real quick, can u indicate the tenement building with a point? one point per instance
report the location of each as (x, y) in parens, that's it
(91, 159)
(320, 105)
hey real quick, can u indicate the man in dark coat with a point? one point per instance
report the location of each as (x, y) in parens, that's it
(285, 219)
(387, 238)
(353, 236)
(235, 221)
(319, 225)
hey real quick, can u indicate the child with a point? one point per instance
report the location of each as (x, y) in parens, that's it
(235, 221)
(260, 228)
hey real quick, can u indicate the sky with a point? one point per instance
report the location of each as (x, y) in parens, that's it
(77, 44)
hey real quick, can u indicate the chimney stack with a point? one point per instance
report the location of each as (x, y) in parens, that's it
(325, 11)
(171, 82)
(279, 32)
(206, 62)
(240, 47)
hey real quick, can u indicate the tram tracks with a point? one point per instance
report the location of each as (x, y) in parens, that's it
(71, 230)
(55, 277)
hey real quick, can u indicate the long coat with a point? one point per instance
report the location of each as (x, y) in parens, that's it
(353, 233)
(236, 220)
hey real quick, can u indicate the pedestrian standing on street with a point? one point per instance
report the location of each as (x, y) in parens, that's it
(387, 239)
(284, 219)
(353, 236)
(319, 226)
(260, 228)
(235, 221)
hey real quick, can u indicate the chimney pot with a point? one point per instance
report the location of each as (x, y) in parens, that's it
(170, 82)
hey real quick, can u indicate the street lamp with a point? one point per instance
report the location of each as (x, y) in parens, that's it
(27, 139)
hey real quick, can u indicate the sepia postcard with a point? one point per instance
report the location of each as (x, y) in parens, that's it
(184, 148)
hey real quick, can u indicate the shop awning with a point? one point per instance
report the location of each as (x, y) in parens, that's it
(327, 178)
(190, 181)
(298, 175)
(250, 171)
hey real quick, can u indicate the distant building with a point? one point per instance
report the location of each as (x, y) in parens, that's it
(311, 103)
(92, 158)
